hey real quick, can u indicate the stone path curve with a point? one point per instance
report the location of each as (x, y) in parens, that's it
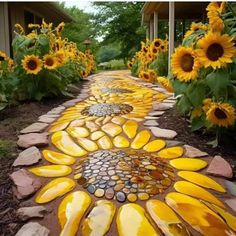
(100, 165)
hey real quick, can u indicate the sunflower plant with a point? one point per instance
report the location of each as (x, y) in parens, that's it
(151, 61)
(204, 70)
(46, 63)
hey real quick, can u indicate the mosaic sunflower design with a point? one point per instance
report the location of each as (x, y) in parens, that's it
(131, 173)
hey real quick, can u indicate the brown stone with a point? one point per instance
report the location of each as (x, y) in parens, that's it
(25, 183)
(46, 119)
(25, 213)
(220, 167)
(193, 152)
(28, 157)
(33, 229)
(34, 128)
(118, 187)
(231, 203)
(163, 133)
(33, 139)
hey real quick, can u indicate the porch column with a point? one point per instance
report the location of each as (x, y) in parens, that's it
(151, 30)
(148, 31)
(4, 28)
(171, 31)
(155, 24)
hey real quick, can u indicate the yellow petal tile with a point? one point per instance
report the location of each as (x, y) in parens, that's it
(120, 142)
(197, 192)
(166, 219)
(118, 120)
(71, 210)
(229, 218)
(97, 135)
(132, 221)
(171, 152)
(78, 132)
(104, 143)
(58, 158)
(141, 139)
(130, 128)
(54, 189)
(87, 144)
(63, 142)
(99, 219)
(58, 127)
(201, 180)
(154, 145)
(99, 120)
(106, 119)
(76, 123)
(92, 126)
(197, 215)
(51, 170)
(188, 164)
(112, 129)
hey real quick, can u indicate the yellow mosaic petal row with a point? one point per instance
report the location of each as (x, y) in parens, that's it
(51, 170)
(171, 152)
(188, 164)
(130, 128)
(131, 220)
(54, 189)
(98, 222)
(71, 210)
(58, 158)
(112, 129)
(105, 143)
(154, 145)
(120, 142)
(201, 180)
(166, 219)
(78, 132)
(63, 142)
(87, 144)
(97, 135)
(198, 216)
(197, 192)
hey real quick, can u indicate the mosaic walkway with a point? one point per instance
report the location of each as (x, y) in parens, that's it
(104, 168)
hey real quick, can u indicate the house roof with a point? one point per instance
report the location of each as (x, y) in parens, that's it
(183, 10)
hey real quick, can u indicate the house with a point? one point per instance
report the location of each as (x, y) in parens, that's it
(24, 13)
(172, 12)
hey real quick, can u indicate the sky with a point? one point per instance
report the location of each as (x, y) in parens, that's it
(86, 6)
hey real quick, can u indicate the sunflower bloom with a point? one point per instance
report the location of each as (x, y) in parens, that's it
(185, 65)
(215, 50)
(50, 62)
(221, 114)
(3, 56)
(19, 28)
(216, 6)
(61, 57)
(165, 83)
(32, 64)
(215, 21)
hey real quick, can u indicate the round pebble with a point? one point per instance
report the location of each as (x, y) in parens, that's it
(143, 196)
(109, 194)
(120, 196)
(91, 189)
(132, 197)
(99, 192)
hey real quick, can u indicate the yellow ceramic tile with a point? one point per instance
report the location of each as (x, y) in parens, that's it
(87, 144)
(171, 152)
(166, 219)
(71, 210)
(92, 126)
(99, 220)
(106, 119)
(197, 192)
(51, 170)
(58, 158)
(75, 123)
(58, 127)
(63, 142)
(132, 221)
(97, 135)
(192, 164)
(78, 132)
(141, 139)
(112, 129)
(130, 128)
(104, 142)
(118, 120)
(54, 189)
(120, 142)
(154, 145)
(229, 218)
(197, 215)
(201, 180)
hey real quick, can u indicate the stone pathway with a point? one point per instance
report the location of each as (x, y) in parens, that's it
(100, 165)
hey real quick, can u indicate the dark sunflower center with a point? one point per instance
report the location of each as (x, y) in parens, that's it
(187, 62)
(157, 44)
(32, 65)
(214, 51)
(2, 58)
(49, 62)
(154, 50)
(145, 50)
(220, 114)
(146, 76)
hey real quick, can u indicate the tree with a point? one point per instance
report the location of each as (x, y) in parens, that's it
(107, 53)
(120, 22)
(81, 29)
